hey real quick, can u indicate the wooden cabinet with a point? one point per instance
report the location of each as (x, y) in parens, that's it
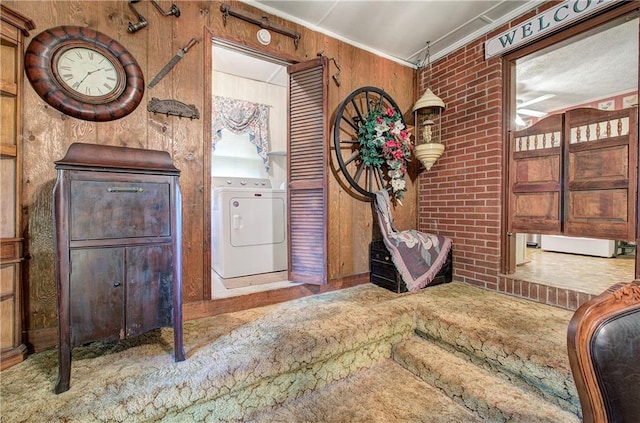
(14, 28)
(117, 215)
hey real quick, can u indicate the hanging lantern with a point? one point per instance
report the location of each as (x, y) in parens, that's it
(426, 113)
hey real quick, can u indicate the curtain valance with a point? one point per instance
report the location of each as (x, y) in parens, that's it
(242, 117)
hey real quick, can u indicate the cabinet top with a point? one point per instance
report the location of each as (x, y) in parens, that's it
(107, 156)
(15, 18)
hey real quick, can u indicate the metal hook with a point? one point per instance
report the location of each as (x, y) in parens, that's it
(142, 22)
(175, 11)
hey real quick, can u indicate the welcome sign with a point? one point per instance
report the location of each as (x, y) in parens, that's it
(544, 23)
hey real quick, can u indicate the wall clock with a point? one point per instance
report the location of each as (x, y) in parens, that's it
(84, 73)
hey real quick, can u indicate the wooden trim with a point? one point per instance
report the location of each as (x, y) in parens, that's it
(201, 309)
(47, 338)
(42, 339)
(575, 29)
(17, 20)
(507, 243)
(206, 162)
(12, 357)
(210, 36)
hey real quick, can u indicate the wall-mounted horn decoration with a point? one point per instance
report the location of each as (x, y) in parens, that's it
(175, 11)
(261, 21)
(142, 22)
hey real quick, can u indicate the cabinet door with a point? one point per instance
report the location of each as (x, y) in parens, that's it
(96, 294)
(149, 288)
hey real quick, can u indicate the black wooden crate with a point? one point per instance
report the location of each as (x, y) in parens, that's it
(384, 273)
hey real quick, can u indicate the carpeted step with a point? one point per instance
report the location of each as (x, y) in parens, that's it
(491, 397)
(245, 364)
(524, 341)
(236, 366)
(381, 394)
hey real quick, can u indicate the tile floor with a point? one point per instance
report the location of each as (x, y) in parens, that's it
(564, 280)
(592, 275)
(231, 287)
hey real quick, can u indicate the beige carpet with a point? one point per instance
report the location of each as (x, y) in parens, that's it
(361, 354)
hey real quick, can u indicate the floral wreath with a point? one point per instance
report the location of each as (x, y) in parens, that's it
(383, 139)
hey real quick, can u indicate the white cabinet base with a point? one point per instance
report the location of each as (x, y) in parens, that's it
(585, 246)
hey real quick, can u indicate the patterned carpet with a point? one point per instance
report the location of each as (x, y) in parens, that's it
(355, 355)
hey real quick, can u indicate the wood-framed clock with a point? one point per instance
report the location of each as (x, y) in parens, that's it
(84, 73)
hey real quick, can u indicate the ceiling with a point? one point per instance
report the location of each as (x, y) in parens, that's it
(567, 75)
(400, 30)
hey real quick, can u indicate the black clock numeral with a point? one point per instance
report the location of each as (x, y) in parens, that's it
(67, 76)
(78, 54)
(107, 86)
(109, 70)
(90, 53)
(76, 85)
(99, 90)
(110, 78)
(68, 68)
(87, 91)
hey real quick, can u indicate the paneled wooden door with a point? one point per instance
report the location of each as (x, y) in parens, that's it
(601, 161)
(576, 174)
(535, 173)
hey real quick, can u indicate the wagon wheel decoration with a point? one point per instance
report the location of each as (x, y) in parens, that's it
(371, 143)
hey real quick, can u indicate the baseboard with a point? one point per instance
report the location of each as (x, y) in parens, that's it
(47, 338)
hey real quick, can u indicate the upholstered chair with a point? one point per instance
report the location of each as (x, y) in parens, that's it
(603, 343)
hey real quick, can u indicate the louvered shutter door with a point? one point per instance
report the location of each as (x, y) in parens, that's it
(307, 175)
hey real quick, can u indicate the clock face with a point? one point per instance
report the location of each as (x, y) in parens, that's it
(87, 72)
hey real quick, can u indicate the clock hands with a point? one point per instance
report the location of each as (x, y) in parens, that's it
(88, 74)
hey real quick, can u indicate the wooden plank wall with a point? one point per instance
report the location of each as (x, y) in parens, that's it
(47, 134)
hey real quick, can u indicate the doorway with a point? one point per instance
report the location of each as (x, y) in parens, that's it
(574, 73)
(248, 172)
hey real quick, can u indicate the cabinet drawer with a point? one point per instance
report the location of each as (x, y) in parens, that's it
(103, 209)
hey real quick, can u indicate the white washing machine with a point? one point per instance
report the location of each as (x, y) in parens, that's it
(249, 227)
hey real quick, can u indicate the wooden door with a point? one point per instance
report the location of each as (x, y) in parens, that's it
(601, 150)
(149, 293)
(307, 175)
(96, 294)
(535, 176)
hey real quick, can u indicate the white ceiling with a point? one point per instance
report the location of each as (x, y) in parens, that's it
(600, 65)
(400, 29)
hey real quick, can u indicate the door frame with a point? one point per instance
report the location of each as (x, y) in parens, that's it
(211, 36)
(508, 240)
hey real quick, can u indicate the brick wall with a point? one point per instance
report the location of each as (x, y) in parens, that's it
(461, 195)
